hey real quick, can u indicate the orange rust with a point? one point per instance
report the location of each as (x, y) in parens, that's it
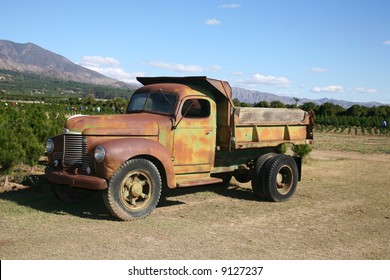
(80, 181)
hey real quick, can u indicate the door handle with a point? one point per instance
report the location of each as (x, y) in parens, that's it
(209, 132)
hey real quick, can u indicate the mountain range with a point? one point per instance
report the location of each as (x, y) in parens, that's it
(254, 96)
(32, 58)
(35, 59)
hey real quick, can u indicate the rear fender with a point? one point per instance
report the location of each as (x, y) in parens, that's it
(118, 151)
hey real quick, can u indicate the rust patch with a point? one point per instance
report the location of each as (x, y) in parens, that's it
(120, 150)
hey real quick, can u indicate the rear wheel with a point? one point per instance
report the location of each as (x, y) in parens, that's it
(257, 179)
(280, 178)
(134, 190)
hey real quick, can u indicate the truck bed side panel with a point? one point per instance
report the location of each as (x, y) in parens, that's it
(266, 127)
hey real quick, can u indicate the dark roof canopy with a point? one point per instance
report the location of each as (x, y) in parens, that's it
(217, 86)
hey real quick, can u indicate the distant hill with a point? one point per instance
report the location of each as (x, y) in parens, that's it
(34, 59)
(253, 96)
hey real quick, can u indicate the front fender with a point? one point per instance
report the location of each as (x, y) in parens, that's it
(118, 151)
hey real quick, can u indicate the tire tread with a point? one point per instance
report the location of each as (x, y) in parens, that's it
(109, 196)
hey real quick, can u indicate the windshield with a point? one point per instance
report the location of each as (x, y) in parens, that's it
(157, 102)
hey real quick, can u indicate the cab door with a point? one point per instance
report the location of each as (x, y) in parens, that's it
(195, 136)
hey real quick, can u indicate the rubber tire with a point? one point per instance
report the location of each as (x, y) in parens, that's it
(70, 194)
(257, 179)
(112, 196)
(286, 167)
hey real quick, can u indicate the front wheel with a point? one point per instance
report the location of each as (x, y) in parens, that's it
(280, 178)
(134, 190)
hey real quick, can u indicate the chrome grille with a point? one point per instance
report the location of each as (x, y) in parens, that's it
(75, 153)
(58, 156)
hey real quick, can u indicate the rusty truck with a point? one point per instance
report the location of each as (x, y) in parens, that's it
(176, 132)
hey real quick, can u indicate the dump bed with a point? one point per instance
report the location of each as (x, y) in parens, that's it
(264, 127)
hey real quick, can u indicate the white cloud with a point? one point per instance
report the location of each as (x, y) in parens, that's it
(178, 67)
(364, 90)
(95, 61)
(386, 42)
(213, 21)
(237, 73)
(214, 68)
(270, 80)
(332, 88)
(108, 67)
(119, 74)
(230, 6)
(341, 89)
(318, 70)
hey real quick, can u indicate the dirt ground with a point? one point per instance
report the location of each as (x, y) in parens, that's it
(340, 211)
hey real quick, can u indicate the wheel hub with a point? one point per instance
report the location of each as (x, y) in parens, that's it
(284, 179)
(133, 190)
(279, 179)
(136, 189)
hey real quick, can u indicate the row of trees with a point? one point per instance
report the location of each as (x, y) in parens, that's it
(28, 86)
(357, 118)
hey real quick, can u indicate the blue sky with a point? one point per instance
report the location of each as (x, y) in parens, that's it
(302, 48)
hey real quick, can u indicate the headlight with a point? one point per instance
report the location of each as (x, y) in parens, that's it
(100, 153)
(49, 146)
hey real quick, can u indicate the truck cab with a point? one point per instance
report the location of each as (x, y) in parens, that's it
(176, 132)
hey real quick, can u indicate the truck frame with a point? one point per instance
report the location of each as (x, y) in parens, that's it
(176, 132)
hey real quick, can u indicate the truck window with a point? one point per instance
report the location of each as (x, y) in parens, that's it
(196, 108)
(153, 102)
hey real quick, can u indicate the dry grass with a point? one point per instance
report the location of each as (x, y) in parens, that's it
(368, 144)
(340, 211)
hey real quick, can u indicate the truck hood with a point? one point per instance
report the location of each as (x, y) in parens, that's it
(127, 124)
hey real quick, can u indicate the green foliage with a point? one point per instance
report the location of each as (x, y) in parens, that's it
(24, 129)
(302, 150)
(357, 111)
(366, 120)
(282, 148)
(11, 151)
(277, 104)
(310, 106)
(236, 102)
(263, 104)
(330, 109)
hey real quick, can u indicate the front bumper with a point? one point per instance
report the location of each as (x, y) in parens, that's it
(80, 181)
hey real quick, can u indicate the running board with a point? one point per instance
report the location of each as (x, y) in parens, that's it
(199, 182)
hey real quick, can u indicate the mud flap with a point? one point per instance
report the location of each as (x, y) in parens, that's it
(298, 161)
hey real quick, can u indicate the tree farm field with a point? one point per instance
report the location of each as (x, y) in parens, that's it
(339, 211)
